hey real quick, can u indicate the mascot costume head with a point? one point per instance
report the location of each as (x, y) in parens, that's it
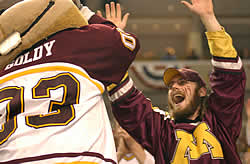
(30, 21)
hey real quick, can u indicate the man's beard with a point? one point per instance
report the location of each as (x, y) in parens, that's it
(189, 110)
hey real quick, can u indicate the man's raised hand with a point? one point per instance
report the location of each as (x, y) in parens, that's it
(200, 7)
(114, 14)
(204, 8)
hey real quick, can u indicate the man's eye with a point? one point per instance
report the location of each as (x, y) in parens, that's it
(182, 82)
(170, 85)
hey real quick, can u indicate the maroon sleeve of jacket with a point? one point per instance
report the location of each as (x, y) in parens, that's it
(227, 98)
(95, 19)
(148, 125)
(102, 51)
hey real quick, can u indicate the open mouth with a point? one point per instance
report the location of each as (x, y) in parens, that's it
(178, 98)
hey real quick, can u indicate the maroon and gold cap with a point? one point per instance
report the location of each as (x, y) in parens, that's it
(187, 74)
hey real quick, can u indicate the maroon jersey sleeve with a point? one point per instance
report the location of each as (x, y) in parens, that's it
(95, 19)
(227, 82)
(105, 51)
(148, 125)
(227, 99)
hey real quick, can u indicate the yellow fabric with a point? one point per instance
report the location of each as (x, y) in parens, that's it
(220, 44)
(62, 15)
(128, 158)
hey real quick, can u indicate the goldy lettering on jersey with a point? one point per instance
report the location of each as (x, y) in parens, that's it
(38, 53)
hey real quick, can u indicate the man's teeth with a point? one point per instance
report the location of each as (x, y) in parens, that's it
(178, 95)
(178, 98)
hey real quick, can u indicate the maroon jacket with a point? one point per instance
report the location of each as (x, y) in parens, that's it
(210, 140)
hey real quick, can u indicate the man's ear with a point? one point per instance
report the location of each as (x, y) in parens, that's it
(202, 92)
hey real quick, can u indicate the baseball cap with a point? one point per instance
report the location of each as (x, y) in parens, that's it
(187, 74)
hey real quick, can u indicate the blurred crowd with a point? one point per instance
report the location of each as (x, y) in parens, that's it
(169, 54)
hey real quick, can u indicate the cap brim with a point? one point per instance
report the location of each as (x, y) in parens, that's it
(169, 74)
